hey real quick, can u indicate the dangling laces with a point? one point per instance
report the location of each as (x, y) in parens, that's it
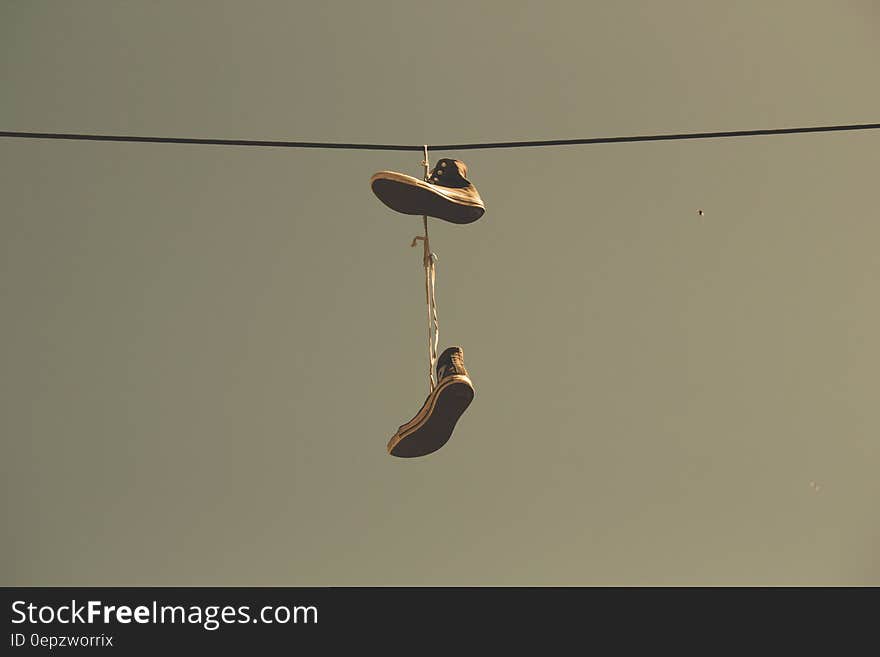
(429, 259)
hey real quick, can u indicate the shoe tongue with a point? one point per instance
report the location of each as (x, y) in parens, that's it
(445, 359)
(449, 173)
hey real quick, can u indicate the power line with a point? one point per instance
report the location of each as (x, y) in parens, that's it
(671, 137)
(445, 147)
(213, 142)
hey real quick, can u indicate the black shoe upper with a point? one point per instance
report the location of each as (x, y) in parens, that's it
(449, 173)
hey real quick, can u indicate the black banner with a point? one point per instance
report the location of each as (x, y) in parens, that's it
(153, 620)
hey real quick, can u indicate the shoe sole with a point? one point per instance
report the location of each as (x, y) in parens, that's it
(409, 195)
(432, 427)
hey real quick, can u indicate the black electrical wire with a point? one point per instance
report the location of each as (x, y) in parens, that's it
(444, 147)
(671, 137)
(214, 142)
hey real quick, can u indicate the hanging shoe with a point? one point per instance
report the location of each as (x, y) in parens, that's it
(446, 195)
(432, 426)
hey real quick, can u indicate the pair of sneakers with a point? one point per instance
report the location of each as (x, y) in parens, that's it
(447, 194)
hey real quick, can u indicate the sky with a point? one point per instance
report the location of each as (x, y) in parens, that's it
(205, 349)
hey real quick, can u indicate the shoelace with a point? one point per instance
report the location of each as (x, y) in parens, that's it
(429, 260)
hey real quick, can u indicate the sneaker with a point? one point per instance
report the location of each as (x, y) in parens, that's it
(446, 195)
(432, 426)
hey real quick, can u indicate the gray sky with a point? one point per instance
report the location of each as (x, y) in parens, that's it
(205, 349)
